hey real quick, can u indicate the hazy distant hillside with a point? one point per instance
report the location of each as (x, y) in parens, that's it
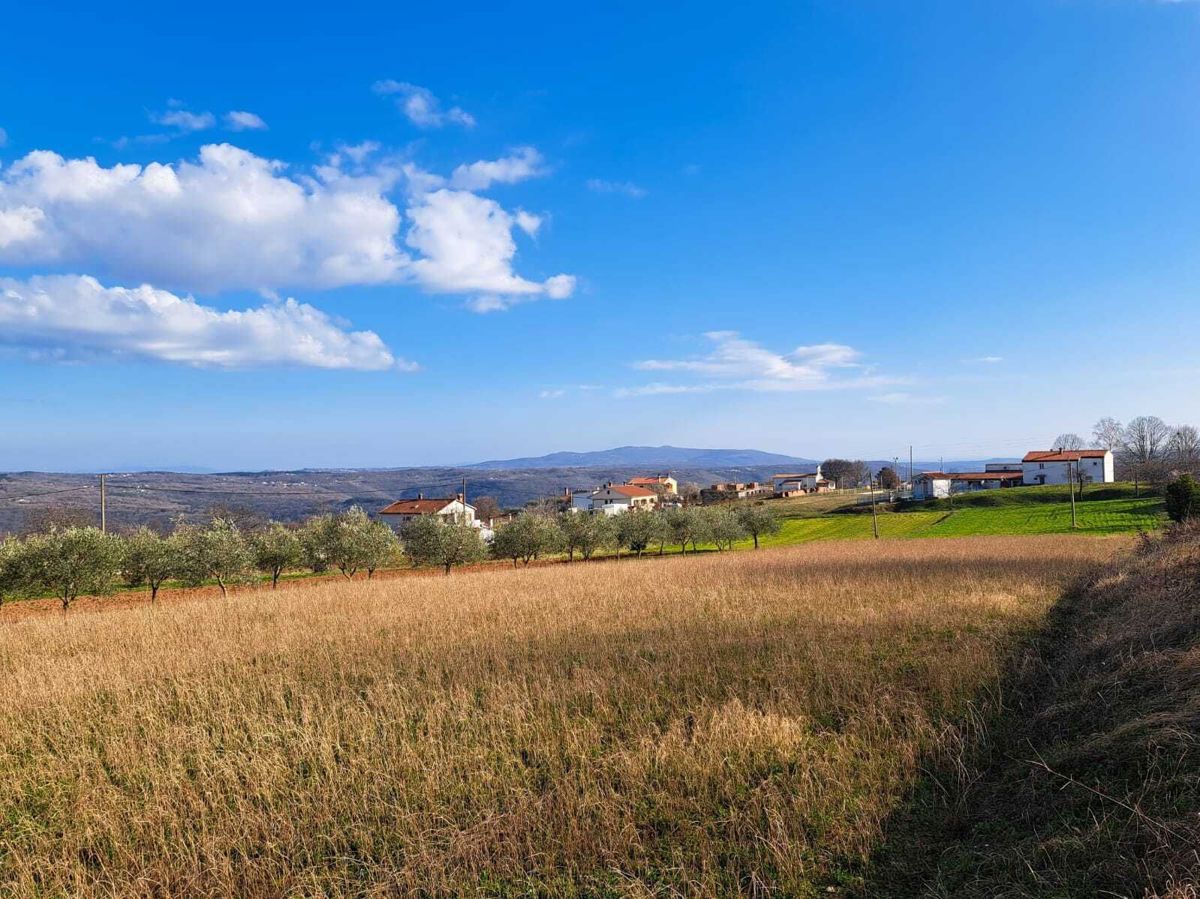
(665, 457)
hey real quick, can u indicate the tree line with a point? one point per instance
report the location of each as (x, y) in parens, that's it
(68, 562)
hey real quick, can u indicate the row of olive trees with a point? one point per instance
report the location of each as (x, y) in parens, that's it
(72, 561)
(532, 535)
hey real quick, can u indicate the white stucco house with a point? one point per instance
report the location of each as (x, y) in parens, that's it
(616, 499)
(453, 508)
(1060, 466)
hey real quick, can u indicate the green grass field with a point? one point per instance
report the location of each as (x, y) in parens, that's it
(1112, 509)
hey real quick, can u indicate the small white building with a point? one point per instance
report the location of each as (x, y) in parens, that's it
(616, 499)
(941, 484)
(1061, 466)
(803, 482)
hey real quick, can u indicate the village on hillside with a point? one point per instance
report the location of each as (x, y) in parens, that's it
(1053, 467)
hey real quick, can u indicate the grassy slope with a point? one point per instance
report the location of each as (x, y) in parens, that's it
(1111, 509)
(726, 725)
(1090, 785)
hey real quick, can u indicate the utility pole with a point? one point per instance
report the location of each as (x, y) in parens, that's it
(104, 504)
(1071, 487)
(911, 485)
(874, 516)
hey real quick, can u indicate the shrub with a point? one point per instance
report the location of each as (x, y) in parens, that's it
(1183, 498)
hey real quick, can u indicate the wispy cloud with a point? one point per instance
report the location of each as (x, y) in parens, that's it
(735, 363)
(3, 138)
(184, 121)
(984, 360)
(421, 107)
(240, 120)
(625, 188)
(520, 165)
(555, 394)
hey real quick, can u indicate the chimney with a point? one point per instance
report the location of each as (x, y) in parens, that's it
(459, 497)
(420, 495)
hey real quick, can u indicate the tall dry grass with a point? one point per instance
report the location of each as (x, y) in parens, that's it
(723, 725)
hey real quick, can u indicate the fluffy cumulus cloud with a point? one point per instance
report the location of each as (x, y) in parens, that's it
(233, 220)
(240, 120)
(734, 362)
(74, 316)
(230, 220)
(421, 107)
(466, 244)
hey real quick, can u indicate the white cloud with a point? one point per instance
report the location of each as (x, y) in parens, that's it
(233, 220)
(72, 315)
(184, 120)
(421, 107)
(626, 188)
(552, 394)
(522, 164)
(984, 360)
(240, 120)
(466, 245)
(735, 363)
(528, 222)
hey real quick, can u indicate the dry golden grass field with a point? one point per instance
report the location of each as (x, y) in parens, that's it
(733, 724)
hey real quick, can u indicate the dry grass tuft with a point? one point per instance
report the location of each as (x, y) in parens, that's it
(732, 725)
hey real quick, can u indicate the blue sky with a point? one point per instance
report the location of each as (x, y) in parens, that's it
(259, 238)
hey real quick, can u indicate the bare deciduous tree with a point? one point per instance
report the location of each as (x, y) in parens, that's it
(1184, 449)
(1069, 441)
(1108, 433)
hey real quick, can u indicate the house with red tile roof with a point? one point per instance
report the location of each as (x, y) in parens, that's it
(1062, 466)
(403, 511)
(659, 483)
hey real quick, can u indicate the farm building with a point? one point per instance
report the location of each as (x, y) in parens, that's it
(941, 484)
(1061, 466)
(806, 482)
(659, 483)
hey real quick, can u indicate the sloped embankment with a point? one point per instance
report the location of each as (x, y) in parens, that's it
(1092, 784)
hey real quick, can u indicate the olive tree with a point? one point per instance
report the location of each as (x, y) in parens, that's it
(72, 561)
(599, 532)
(758, 521)
(722, 526)
(276, 549)
(218, 552)
(381, 547)
(637, 530)
(314, 550)
(572, 528)
(685, 526)
(525, 538)
(428, 540)
(14, 568)
(149, 558)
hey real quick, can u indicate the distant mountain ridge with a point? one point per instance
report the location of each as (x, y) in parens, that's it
(664, 457)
